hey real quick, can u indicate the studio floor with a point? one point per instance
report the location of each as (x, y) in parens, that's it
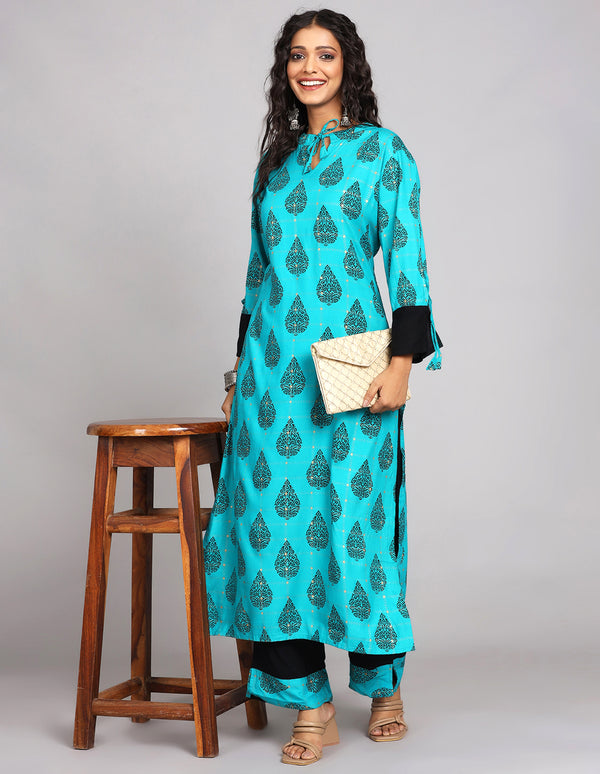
(487, 713)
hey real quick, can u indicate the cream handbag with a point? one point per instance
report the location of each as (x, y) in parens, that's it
(347, 365)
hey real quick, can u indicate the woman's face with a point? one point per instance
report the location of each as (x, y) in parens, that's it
(315, 67)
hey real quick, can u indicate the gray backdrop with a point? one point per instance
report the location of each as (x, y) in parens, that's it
(128, 140)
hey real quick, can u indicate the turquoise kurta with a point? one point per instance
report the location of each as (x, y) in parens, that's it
(301, 539)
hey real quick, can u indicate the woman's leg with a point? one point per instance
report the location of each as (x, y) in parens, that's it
(292, 673)
(377, 676)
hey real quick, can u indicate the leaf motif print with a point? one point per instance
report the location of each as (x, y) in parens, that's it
(413, 202)
(392, 175)
(230, 632)
(221, 498)
(261, 595)
(255, 220)
(259, 534)
(239, 501)
(370, 424)
(326, 335)
(243, 444)
(212, 556)
(315, 637)
(248, 383)
(386, 453)
(272, 351)
(297, 259)
(264, 637)
(325, 230)
(369, 150)
(352, 264)
(266, 412)
(340, 445)
(316, 681)
(241, 562)
(254, 277)
(332, 174)
(365, 243)
(333, 570)
(316, 591)
(302, 155)
(318, 473)
(392, 549)
(361, 675)
(256, 326)
(355, 542)
(400, 236)
(422, 265)
(233, 536)
(271, 684)
(279, 181)
(242, 619)
(276, 290)
(350, 201)
(213, 613)
(378, 515)
(287, 563)
(318, 416)
(289, 620)
(360, 648)
(359, 603)
(317, 534)
(293, 380)
(355, 321)
(274, 232)
(377, 300)
(385, 634)
(296, 320)
(377, 577)
(296, 199)
(402, 609)
(336, 504)
(382, 218)
(329, 289)
(406, 295)
(287, 503)
(361, 482)
(261, 475)
(337, 628)
(231, 587)
(397, 145)
(289, 441)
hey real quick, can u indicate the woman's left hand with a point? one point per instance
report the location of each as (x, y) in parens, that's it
(391, 384)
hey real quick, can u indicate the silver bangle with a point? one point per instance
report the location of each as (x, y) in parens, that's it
(230, 379)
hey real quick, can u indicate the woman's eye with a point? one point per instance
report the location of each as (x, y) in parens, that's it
(295, 56)
(328, 56)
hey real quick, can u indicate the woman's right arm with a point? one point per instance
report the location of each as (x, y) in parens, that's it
(226, 407)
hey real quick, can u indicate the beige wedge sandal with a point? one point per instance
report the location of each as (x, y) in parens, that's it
(330, 734)
(387, 703)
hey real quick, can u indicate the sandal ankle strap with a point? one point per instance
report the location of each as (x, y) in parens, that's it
(309, 726)
(385, 703)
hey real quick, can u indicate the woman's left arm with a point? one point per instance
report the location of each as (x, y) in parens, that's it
(401, 238)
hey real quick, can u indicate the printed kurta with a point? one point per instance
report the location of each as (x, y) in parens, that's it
(307, 534)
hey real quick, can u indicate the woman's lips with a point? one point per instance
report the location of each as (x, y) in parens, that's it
(311, 84)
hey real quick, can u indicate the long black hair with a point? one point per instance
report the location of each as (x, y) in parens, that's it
(356, 90)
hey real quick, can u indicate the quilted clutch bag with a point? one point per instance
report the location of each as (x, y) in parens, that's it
(347, 365)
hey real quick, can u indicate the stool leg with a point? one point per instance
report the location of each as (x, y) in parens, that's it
(95, 596)
(141, 588)
(188, 497)
(256, 711)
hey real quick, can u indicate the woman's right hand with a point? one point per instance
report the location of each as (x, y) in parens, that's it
(226, 407)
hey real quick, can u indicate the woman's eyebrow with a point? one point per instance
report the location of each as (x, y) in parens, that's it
(318, 48)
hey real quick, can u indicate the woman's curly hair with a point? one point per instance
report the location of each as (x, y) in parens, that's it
(356, 90)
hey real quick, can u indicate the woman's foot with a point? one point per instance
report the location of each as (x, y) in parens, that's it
(388, 729)
(321, 714)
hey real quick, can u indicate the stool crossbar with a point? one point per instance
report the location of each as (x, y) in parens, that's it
(145, 444)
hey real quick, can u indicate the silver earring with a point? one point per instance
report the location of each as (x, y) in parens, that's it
(293, 118)
(345, 120)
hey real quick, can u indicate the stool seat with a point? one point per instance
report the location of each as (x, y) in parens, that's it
(145, 444)
(158, 427)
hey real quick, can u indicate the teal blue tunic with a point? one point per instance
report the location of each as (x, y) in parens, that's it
(303, 532)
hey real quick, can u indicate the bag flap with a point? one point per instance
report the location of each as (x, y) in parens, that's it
(360, 349)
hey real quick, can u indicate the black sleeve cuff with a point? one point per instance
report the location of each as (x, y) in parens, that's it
(411, 332)
(244, 320)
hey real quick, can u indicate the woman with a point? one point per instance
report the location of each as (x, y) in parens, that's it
(306, 543)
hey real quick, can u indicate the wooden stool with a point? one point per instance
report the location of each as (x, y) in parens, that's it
(145, 444)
